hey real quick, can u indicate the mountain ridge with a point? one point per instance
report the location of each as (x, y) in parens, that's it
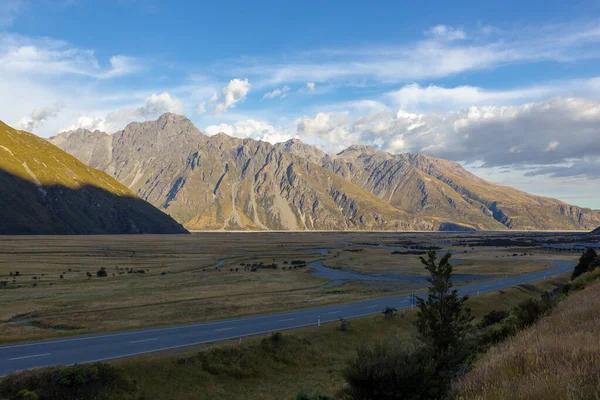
(223, 182)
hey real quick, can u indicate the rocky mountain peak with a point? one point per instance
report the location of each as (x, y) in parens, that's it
(358, 150)
(172, 118)
(301, 149)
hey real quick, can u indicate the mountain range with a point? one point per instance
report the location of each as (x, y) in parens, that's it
(225, 183)
(44, 190)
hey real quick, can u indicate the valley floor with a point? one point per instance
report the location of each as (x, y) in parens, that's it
(53, 289)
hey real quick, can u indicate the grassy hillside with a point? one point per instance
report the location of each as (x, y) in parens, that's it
(558, 358)
(47, 191)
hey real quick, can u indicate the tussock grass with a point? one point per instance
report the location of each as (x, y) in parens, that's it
(558, 358)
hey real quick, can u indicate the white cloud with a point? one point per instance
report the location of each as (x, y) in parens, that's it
(233, 93)
(21, 56)
(201, 109)
(310, 86)
(446, 32)
(37, 117)
(251, 129)
(553, 145)
(154, 106)
(435, 56)
(158, 104)
(418, 98)
(528, 136)
(279, 92)
(90, 123)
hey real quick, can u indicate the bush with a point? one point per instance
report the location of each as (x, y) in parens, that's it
(101, 273)
(97, 381)
(585, 263)
(389, 312)
(27, 395)
(344, 324)
(529, 311)
(494, 317)
(388, 371)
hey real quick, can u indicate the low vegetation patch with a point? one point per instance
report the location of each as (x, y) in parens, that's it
(98, 381)
(243, 362)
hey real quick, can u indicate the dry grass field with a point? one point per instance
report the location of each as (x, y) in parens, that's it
(558, 358)
(185, 278)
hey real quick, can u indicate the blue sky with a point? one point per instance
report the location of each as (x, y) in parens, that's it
(509, 89)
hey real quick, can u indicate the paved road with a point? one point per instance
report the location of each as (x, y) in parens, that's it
(103, 347)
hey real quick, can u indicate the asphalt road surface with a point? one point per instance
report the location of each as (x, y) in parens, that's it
(84, 349)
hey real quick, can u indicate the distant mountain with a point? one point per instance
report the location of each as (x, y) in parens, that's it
(433, 187)
(47, 191)
(596, 231)
(221, 182)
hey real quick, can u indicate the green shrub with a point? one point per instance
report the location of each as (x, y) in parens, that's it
(27, 395)
(494, 317)
(344, 324)
(528, 311)
(586, 261)
(388, 371)
(97, 381)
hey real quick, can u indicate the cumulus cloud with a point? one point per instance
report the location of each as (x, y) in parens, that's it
(310, 87)
(233, 93)
(251, 129)
(37, 117)
(90, 123)
(279, 92)
(158, 104)
(154, 105)
(530, 135)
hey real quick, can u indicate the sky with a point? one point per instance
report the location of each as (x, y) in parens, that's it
(509, 89)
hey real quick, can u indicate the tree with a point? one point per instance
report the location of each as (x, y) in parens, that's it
(585, 261)
(443, 320)
(392, 371)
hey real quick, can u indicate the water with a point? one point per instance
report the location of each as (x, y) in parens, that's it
(339, 276)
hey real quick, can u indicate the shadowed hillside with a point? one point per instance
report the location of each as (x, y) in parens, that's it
(47, 191)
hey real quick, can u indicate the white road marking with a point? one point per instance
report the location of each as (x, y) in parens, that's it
(22, 358)
(286, 320)
(333, 312)
(372, 306)
(143, 340)
(225, 329)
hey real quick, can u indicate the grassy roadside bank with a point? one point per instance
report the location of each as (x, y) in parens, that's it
(307, 360)
(557, 358)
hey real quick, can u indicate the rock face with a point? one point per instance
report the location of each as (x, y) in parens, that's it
(219, 182)
(47, 191)
(433, 187)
